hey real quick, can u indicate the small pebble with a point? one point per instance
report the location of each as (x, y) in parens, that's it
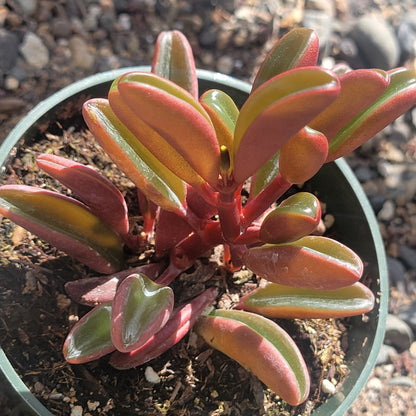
(375, 384)
(151, 375)
(401, 381)
(328, 387)
(76, 411)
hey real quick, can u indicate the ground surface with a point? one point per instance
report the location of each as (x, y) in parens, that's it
(46, 45)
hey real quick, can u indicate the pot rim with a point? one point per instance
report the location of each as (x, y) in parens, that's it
(338, 404)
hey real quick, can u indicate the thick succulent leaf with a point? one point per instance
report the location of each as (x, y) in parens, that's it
(152, 140)
(140, 308)
(265, 175)
(170, 230)
(157, 182)
(178, 325)
(223, 113)
(90, 337)
(92, 291)
(398, 97)
(278, 301)
(262, 347)
(65, 223)
(312, 262)
(296, 217)
(96, 191)
(303, 155)
(359, 89)
(174, 114)
(298, 48)
(173, 59)
(277, 110)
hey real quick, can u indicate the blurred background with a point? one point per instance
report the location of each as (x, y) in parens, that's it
(48, 44)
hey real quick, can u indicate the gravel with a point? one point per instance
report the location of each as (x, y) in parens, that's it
(46, 45)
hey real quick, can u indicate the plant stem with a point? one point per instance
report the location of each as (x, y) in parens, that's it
(256, 206)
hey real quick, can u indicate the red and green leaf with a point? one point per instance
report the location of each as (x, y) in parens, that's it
(65, 223)
(296, 217)
(177, 117)
(303, 155)
(154, 179)
(173, 59)
(276, 111)
(90, 338)
(178, 325)
(397, 98)
(140, 309)
(96, 191)
(262, 347)
(312, 262)
(279, 301)
(298, 48)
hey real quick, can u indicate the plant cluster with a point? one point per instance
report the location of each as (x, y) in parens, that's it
(189, 158)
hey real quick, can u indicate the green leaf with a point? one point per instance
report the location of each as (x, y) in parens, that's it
(140, 309)
(278, 301)
(312, 262)
(397, 98)
(265, 175)
(90, 337)
(296, 217)
(177, 117)
(298, 48)
(173, 59)
(262, 347)
(65, 223)
(276, 111)
(223, 113)
(156, 181)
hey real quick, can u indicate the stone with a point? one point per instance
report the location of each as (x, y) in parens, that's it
(407, 313)
(406, 35)
(61, 28)
(408, 255)
(398, 333)
(401, 381)
(8, 50)
(28, 7)
(386, 354)
(376, 41)
(397, 273)
(225, 65)
(81, 56)
(387, 212)
(34, 51)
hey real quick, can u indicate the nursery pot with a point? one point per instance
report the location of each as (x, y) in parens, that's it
(355, 225)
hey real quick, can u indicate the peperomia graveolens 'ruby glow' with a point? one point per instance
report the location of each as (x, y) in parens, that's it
(189, 157)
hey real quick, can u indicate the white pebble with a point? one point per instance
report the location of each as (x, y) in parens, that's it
(151, 375)
(328, 387)
(76, 411)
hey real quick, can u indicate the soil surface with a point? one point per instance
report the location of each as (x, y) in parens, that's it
(46, 45)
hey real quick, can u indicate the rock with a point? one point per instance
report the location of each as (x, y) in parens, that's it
(408, 255)
(28, 7)
(8, 50)
(375, 384)
(61, 28)
(321, 22)
(387, 212)
(11, 83)
(398, 334)
(225, 65)
(376, 41)
(328, 387)
(406, 35)
(407, 313)
(34, 51)
(397, 273)
(401, 381)
(81, 56)
(386, 355)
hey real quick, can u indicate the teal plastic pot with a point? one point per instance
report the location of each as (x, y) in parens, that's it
(355, 225)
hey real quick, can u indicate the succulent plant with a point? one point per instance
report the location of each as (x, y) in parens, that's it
(189, 158)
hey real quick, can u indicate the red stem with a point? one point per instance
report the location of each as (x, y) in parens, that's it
(256, 206)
